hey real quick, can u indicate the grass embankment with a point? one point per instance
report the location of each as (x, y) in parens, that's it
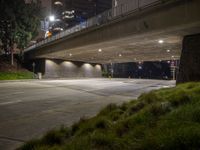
(164, 119)
(15, 75)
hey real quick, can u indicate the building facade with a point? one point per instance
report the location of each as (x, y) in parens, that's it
(68, 13)
(71, 12)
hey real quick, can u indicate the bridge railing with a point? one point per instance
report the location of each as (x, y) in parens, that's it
(109, 15)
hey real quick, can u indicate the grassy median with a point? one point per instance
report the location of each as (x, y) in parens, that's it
(163, 119)
(15, 75)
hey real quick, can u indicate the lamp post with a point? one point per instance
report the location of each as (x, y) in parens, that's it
(33, 65)
(47, 23)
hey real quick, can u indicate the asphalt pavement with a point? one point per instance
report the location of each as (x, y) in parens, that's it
(29, 108)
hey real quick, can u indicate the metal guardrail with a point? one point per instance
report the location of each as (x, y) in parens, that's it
(100, 19)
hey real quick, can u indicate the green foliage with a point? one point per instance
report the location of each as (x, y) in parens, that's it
(23, 18)
(105, 74)
(163, 119)
(15, 75)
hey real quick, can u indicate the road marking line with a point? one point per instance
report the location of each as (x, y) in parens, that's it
(8, 103)
(18, 93)
(12, 139)
(166, 86)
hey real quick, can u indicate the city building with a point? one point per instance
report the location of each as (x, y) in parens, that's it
(68, 13)
(59, 15)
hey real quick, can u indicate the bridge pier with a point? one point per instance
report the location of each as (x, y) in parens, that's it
(189, 69)
(57, 68)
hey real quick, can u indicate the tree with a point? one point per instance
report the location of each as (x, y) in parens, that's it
(19, 23)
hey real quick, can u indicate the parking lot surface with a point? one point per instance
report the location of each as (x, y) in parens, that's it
(29, 108)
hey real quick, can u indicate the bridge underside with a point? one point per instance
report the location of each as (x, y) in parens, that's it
(129, 39)
(144, 47)
(129, 49)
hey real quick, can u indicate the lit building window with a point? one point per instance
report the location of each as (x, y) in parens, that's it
(58, 3)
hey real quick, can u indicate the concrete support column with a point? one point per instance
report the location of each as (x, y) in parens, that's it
(189, 69)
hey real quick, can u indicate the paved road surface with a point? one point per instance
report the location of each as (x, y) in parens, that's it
(30, 108)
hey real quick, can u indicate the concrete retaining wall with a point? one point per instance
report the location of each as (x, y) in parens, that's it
(68, 69)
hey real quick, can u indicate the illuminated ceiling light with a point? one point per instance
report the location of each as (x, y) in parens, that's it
(160, 41)
(100, 50)
(168, 50)
(52, 18)
(172, 56)
(70, 54)
(120, 55)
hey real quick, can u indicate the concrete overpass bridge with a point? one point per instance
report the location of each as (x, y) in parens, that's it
(141, 30)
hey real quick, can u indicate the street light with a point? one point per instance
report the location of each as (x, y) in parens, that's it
(51, 18)
(46, 25)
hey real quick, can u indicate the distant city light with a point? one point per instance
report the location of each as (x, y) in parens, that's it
(140, 67)
(68, 14)
(58, 3)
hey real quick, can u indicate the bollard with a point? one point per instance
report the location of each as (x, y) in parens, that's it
(39, 75)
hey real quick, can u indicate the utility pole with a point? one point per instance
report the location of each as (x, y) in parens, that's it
(33, 65)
